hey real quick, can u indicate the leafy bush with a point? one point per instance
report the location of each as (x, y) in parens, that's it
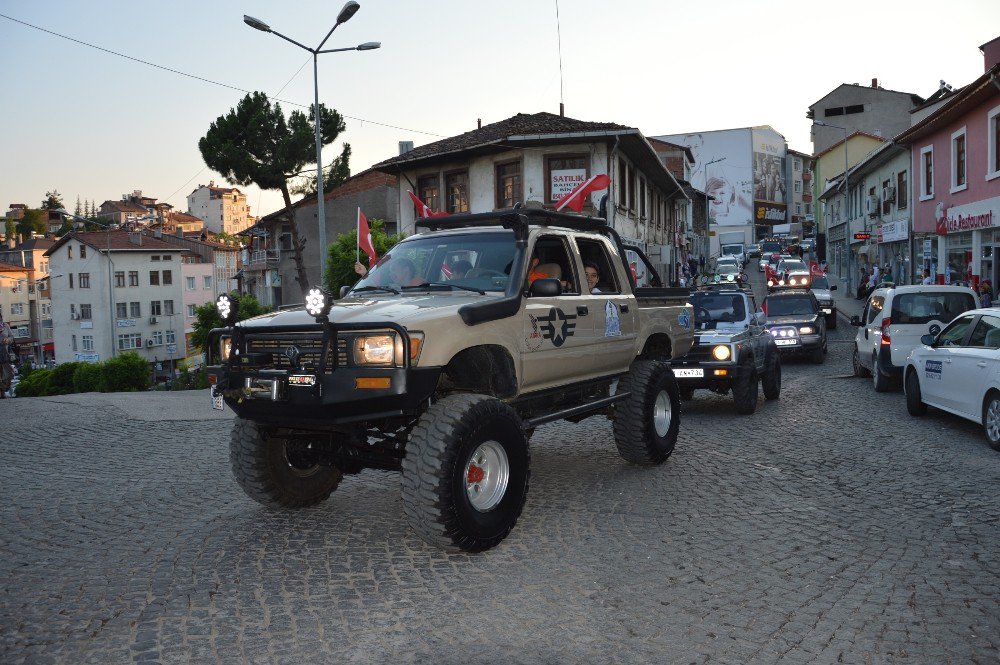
(87, 378)
(25, 370)
(188, 380)
(124, 373)
(35, 385)
(61, 379)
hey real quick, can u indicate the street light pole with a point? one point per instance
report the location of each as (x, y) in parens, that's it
(847, 209)
(345, 15)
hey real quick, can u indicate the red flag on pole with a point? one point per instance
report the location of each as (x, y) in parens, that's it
(423, 210)
(576, 198)
(365, 239)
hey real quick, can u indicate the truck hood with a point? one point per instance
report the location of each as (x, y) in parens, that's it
(823, 294)
(719, 335)
(402, 309)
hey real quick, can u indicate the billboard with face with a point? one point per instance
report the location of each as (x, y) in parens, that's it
(723, 170)
(769, 189)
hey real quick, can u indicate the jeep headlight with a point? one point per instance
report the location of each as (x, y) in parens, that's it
(806, 330)
(375, 350)
(721, 352)
(225, 347)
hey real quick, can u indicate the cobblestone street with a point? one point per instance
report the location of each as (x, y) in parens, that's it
(827, 527)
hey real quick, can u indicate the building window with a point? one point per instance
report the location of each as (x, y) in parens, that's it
(88, 342)
(70, 275)
(798, 208)
(798, 186)
(798, 164)
(171, 339)
(17, 308)
(457, 190)
(429, 191)
(168, 277)
(902, 193)
(134, 310)
(83, 251)
(285, 238)
(157, 337)
(508, 178)
(190, 283)
(167, 257)
(993, 144)
(133, 278)
(958, 182)
(927, 173)
(85, 311)
(886, 198)
(631, 188)
(69, 251)
(642, 198)
(154, 277)
(191, 312)
(565, 173)
(622, 184)
(155, 308)
(207, 281)
(121, 310)
(168, 307)
(155, 257)
(129, 341)
(74, 342)
(119, 278)
(84, 280)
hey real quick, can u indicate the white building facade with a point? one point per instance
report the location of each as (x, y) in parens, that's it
(223, 209)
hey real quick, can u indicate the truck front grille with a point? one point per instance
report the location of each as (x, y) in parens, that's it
(309, 351)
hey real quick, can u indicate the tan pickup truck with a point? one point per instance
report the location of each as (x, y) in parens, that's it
(441, 362)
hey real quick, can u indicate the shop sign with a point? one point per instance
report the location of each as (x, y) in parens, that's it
(893, 231)
(769, 213)
(928, 248)
(86, 324)
(562, 181)
(87, 357)
(968, 217)
(126, 323)
(862, 236)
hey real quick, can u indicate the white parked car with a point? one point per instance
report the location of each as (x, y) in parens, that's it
(958, 371)
(893, 321)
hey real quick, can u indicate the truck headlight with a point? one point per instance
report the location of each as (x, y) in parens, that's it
(806, 330)
(375, 350)
(225, 347)
(721, 352)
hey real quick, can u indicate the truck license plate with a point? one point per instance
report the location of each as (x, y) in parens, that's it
(217, 402)
(827, 311)
(696, 373)
(785, 342)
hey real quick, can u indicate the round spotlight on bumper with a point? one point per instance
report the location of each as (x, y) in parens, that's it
(318, 304)
(228, 307)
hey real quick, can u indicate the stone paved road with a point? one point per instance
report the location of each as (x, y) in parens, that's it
(828, 527)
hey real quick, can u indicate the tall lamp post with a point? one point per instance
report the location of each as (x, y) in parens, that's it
(345, 15)
(847, 209)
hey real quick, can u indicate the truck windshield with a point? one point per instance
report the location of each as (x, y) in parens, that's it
(711, 309)
(788, 306)
(478, 260)
(770, 247)
(732, 250)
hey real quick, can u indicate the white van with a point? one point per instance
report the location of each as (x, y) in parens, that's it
(893, 321)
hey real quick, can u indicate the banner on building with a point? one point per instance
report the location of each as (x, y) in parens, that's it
(563, 181)
(769, 190)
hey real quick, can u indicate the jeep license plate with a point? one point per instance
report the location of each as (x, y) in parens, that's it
(827, 311)
(785, 342)
(695, 373)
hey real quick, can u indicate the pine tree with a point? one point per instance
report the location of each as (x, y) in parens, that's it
(78, 211)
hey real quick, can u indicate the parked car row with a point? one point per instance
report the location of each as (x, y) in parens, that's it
(935, 343)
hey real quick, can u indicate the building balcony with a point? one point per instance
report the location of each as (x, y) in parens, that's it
(261, 260)
(806, 197)
(807, 176)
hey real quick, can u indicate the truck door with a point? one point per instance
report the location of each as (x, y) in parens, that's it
(558, 336)
(611, 308)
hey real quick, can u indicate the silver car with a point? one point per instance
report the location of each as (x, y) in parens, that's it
(823, 290)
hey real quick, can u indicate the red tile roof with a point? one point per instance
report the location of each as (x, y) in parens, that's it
(10, 267)
(118, 241)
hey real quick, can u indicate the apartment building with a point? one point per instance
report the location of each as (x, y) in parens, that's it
(31, 292)
(223, 209)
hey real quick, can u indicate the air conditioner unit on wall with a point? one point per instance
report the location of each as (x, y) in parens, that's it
(152, 319)
(149, 342)
(872, 206)
(889, 194)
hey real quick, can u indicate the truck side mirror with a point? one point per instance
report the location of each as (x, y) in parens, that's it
(344, 290)
(833, 287)
(545, 287)
(927, 340)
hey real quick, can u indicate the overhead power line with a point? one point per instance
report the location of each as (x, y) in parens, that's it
(202, 78)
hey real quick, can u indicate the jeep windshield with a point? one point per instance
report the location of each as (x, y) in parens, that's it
(821, 283)
(715, 310)
(789, 306)
(474, 261)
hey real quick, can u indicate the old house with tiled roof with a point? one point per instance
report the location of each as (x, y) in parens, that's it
(533, 159)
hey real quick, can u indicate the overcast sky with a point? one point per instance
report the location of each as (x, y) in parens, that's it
(96, 125)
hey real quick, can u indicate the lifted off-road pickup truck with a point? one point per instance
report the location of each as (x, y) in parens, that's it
(443, 360)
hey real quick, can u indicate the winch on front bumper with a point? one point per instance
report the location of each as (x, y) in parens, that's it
(324, 373)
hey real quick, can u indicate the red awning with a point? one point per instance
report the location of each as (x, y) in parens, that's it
(49, 346)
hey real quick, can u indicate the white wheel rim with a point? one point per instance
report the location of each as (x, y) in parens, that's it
(993, 420)
(486, 476)
(662, 414)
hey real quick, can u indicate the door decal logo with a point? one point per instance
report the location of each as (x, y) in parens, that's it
(932, 370)
(934, 329)
(557, 326)
(684, 319)
(612, 322)
(533, 341)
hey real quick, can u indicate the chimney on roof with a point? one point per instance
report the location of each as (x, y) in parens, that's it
(991, 53)
(405, 147)
(479, 123)
(135, 238)
(562, 110)
(874, 83)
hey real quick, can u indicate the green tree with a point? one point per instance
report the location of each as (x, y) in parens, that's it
(255, 143)
(53, 200)
(343, 253)
(335, 175)
(207, 317)
(10, 228)
(34, 221)
(78, 211)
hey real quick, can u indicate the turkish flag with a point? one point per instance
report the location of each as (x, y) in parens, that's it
(576, 198)
(423, 210)
(365, 239)
(815, 270)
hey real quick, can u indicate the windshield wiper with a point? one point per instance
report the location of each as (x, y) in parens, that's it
(448, 284)
(375, 288)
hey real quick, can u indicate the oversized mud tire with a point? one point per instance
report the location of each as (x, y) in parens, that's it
(275, 471)
(914, 402)
(745, 388)
(465, 474)
(771, 383)
(646, 424)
